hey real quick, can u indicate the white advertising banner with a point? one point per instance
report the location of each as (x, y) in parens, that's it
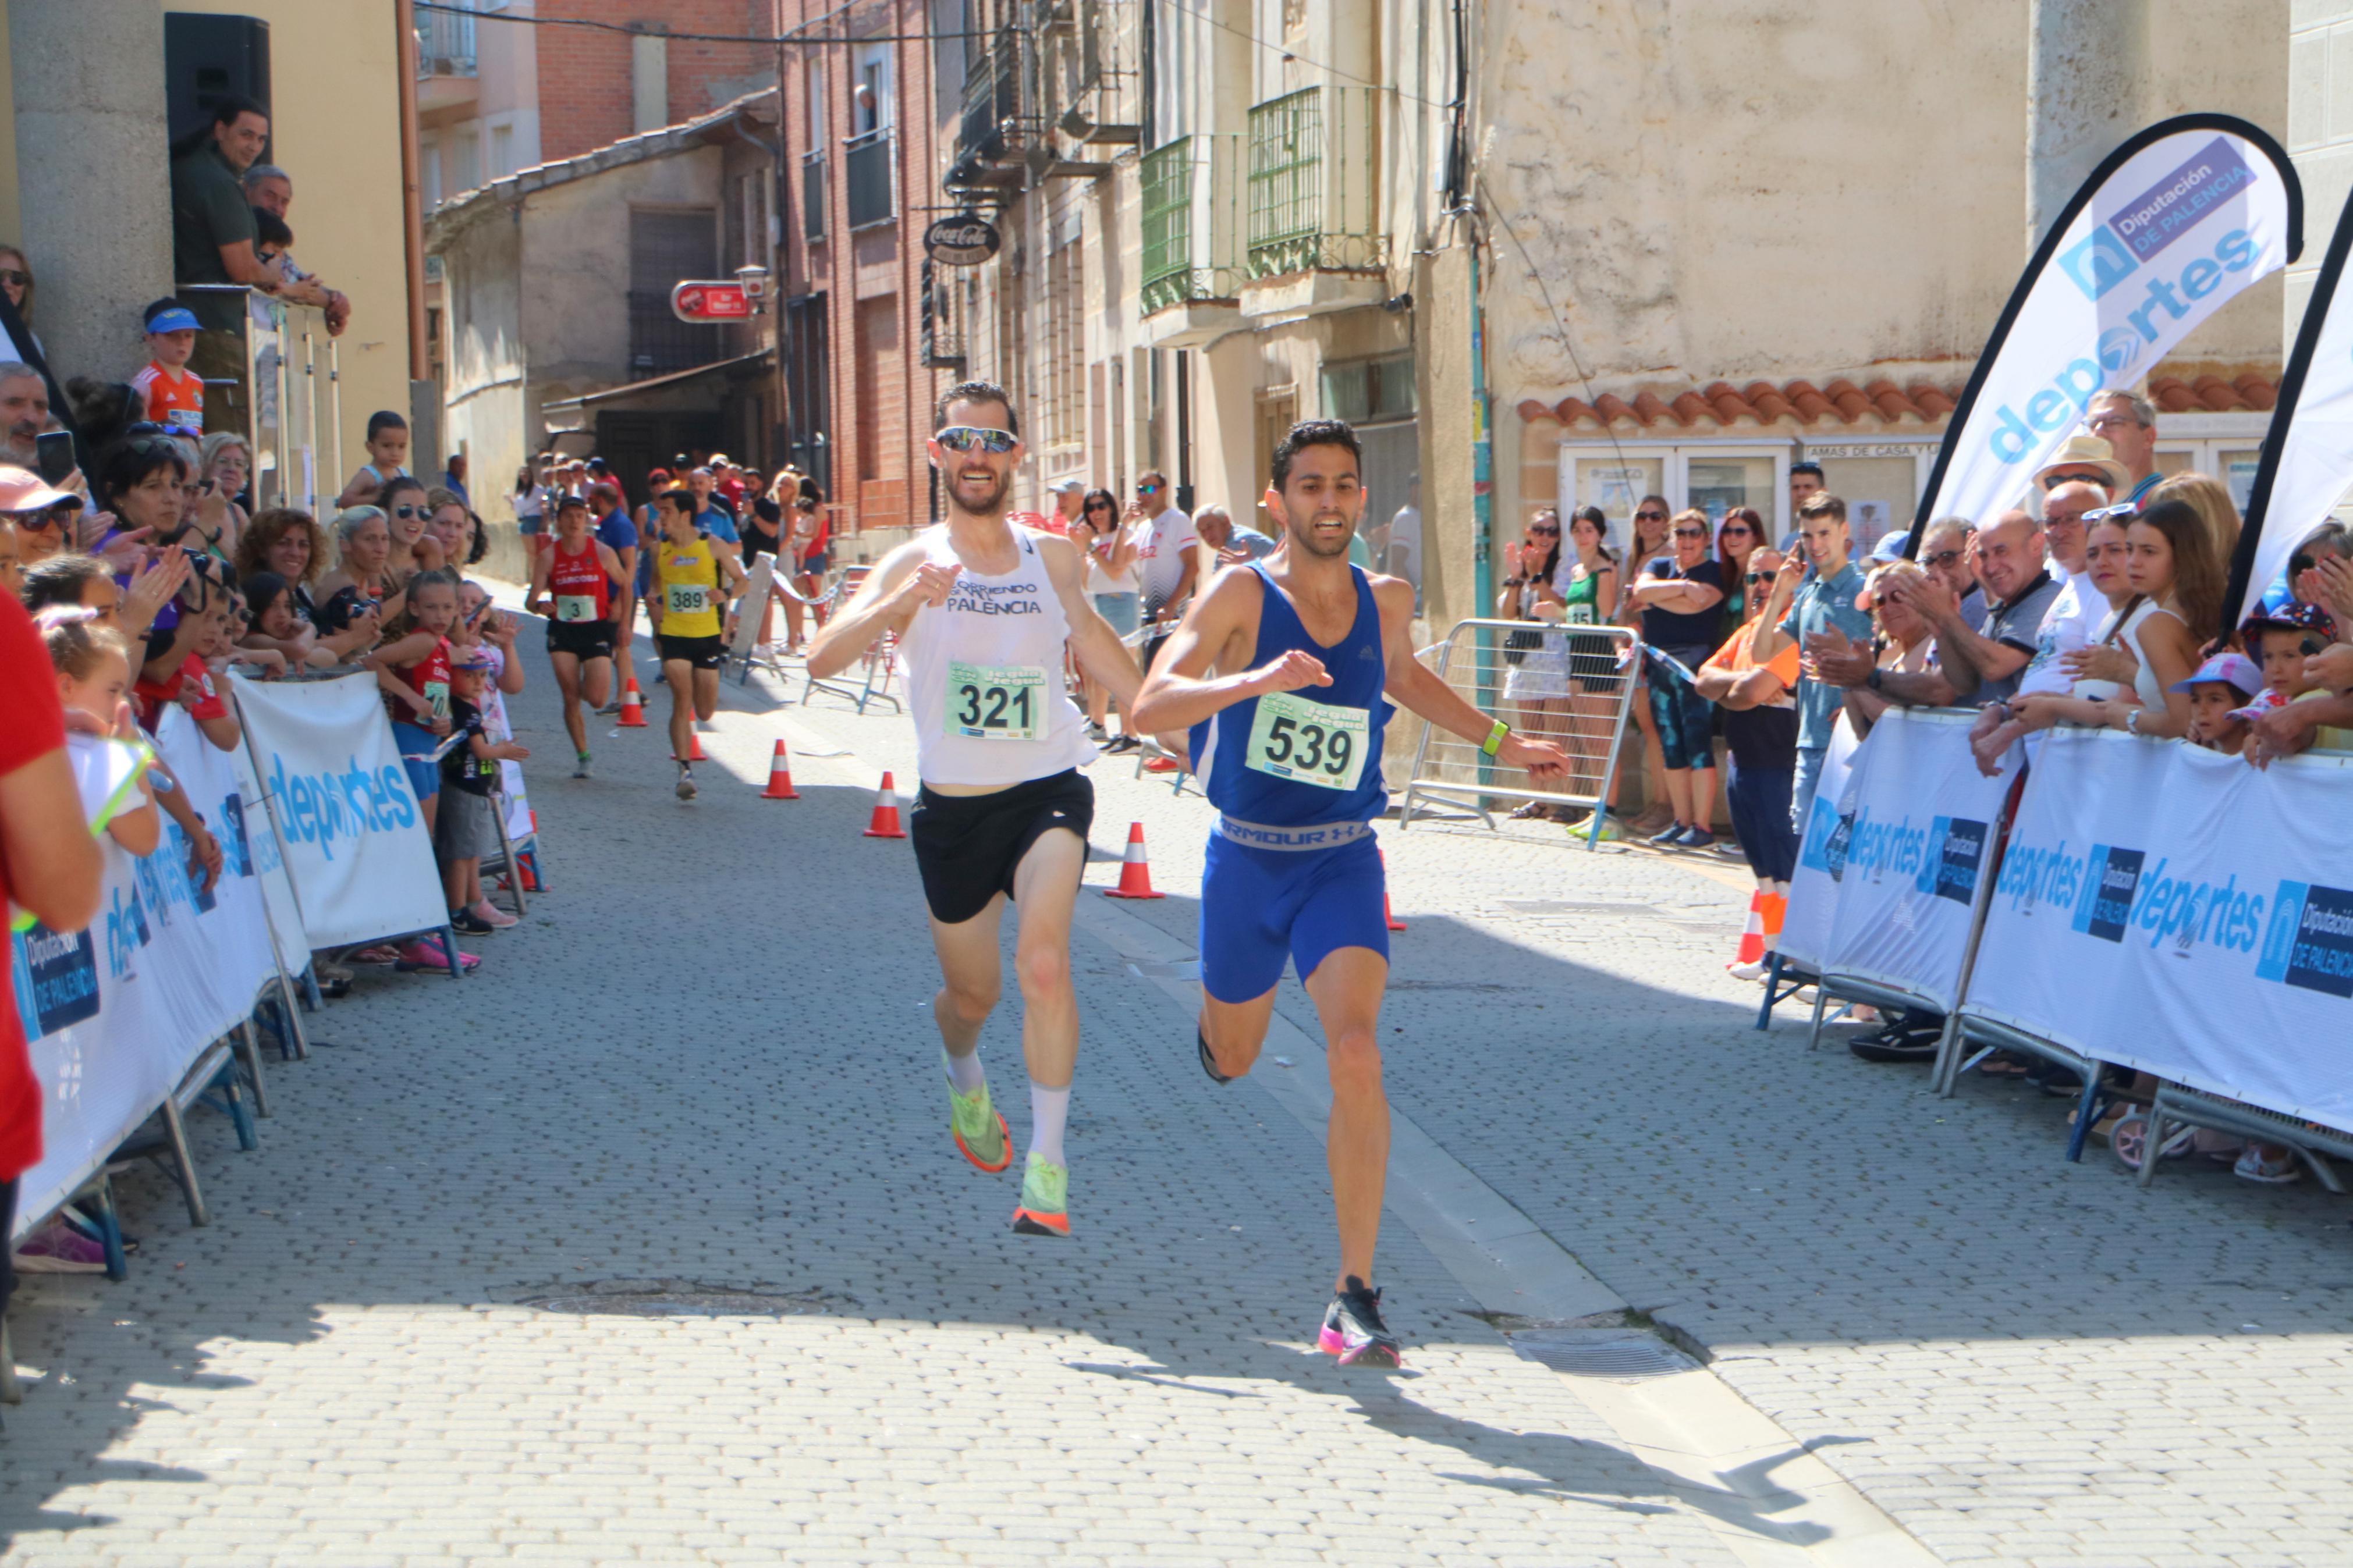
(1813, 886)
(2172, 226)
(269, 867)
(356, 847)
(1921, 835)
(2307, 464)
(2198, 925)
(116, 1014)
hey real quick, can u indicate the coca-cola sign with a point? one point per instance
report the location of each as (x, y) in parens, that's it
(711, 302)
(967, 239)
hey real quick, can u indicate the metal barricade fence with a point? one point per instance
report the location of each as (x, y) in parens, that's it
(1569, 685)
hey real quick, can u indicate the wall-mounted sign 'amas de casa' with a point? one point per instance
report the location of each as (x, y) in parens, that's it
(2172, 225)
(711, 302)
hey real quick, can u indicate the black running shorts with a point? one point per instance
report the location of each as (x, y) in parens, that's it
(968, 847)
(581, 639)
(702, 653)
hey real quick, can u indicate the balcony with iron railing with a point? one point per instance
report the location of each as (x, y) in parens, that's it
(1313, 201)
(995, 130)
(1106, 105)
(1191, 218)
(446, 68)
(866, 179)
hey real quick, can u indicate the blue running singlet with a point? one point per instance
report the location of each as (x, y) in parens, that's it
(1299, 759)
(1292, 870)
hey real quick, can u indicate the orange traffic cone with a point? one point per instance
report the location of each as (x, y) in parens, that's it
(1388, 918)
(1752, 935)
(1135, 871)
(1777, 906)
(780, 777)
(694, 748)
(527, 863)
(633, 709)
(886, 813)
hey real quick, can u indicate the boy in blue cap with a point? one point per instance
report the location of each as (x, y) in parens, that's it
(169, 394)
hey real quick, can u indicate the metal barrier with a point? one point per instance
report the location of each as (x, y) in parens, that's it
(876, 664)
(272, 374)
(1573, 688)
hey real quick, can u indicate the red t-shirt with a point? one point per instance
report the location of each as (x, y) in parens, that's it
(31, 725)
(150, 696)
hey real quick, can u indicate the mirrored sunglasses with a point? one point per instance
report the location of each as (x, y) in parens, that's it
(977, 437)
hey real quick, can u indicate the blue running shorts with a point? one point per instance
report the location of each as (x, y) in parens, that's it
(1259, 905)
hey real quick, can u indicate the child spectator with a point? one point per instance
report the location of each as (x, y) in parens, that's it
(93, 671)
(175, 670)
(480, 625)
(2284, 636)
(413, 668)
(274, 625)
(166, 391)
(388, 445)
(466, 830)
(2223, 683)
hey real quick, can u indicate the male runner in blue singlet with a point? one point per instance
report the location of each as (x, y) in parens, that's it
(1286, 738)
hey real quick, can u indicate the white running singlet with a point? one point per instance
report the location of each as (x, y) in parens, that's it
(984, 675)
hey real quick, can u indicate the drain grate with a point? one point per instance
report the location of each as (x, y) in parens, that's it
(681, 1298)
(1619, 1354)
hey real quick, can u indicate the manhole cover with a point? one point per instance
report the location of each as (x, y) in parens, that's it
(681, 1298)
(1617, 1353)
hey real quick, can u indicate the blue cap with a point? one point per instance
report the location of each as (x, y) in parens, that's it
(176, 319)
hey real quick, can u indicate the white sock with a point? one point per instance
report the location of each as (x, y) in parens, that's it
(1049, 1108)
(965, 1071)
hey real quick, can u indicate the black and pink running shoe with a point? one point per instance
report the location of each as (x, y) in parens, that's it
(1353, 1329)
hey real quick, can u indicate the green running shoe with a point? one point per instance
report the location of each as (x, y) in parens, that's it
(979, 1131)
(1045, 1206)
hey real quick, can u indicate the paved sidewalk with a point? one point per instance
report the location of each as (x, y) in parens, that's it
(703, 1061)
(2021, 1361)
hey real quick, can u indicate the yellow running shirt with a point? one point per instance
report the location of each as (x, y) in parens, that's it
(687, 578)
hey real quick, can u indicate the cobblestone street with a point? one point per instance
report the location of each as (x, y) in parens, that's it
(703, 1065)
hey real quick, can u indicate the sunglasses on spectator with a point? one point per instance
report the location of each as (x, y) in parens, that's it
(976, 438)
(2103, 514)
(1650, 517)
(1739, 529)
(2299, 563)
(1691, 533)
(38, 522)
(1553, 530)
(1148, 489)
(410, 511)
(1759, 577)
(1942, 557)
(11, 274)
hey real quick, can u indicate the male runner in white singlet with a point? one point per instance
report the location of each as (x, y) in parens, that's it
(1286, 740)
(982, 610)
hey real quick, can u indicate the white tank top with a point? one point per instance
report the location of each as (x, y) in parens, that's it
(984, 675)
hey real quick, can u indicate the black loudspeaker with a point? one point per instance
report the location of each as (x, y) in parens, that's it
(206, 59)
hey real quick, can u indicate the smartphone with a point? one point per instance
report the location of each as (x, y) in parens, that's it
(54, 456)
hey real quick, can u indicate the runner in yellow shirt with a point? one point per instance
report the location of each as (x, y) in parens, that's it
(693, 585)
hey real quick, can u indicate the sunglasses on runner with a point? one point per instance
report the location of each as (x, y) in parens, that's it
(976, 438)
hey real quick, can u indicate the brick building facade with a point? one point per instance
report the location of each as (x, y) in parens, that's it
(860, 166)
(593, 83)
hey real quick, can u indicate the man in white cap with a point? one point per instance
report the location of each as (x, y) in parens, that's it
(1069, 494)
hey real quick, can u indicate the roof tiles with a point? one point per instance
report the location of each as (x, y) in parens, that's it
(1878, 402)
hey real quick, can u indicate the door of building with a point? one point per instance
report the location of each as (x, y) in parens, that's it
(806, 377)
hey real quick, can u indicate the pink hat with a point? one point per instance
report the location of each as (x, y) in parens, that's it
(21, 489)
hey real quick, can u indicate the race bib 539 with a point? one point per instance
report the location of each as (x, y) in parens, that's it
(1309, 742)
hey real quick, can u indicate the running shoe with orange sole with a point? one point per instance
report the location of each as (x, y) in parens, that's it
(1045, 1206)
(979, 1131)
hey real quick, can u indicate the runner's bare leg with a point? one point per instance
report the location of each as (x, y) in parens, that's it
(971, 977)
(1045, 892)
(1347, 990)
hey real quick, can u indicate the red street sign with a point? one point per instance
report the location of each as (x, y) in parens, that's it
(710, 302)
